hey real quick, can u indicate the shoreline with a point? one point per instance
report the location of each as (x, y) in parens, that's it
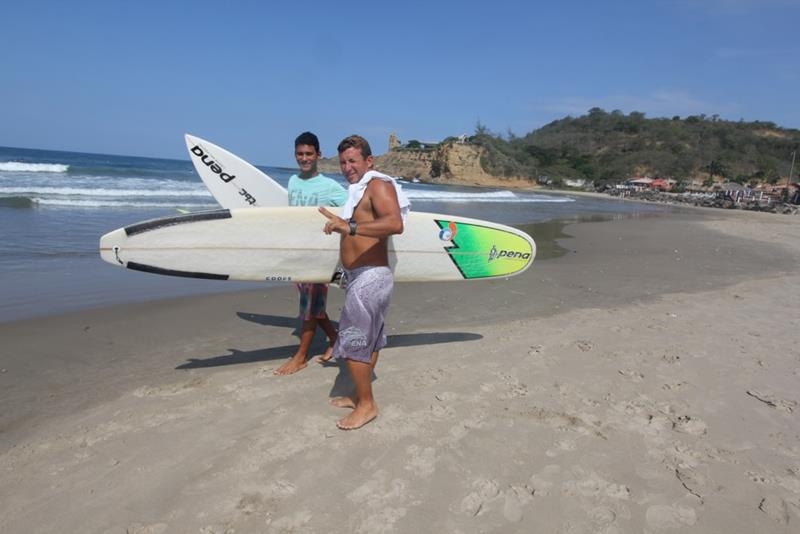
(520, 184)
(79, 281)
(638, 382)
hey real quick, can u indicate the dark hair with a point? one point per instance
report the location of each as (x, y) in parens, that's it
(356, 141)
(307, 138)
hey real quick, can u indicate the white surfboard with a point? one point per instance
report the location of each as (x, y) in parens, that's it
(287, 244)
(232, 181)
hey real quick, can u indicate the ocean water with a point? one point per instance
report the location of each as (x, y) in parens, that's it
(54, 206)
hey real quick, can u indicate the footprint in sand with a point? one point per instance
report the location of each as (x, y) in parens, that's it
(542, 482)
(487, 497)
(484, 492)
(602, 516)
(759, 479)
(535, 350)
(381, 502)
(668, 357)
(170, 389)
(512, 387)
(663, 516)
(429, 377)
(291, 523)
(251, 503)
(775, 508)
(561, 446)
(379, 491)
(691, 480)
(635, 376)
(690, 425)
(422, 462)
(769, 399)
(674, 385)
(516, 498)
(155, 528)
(593, 485)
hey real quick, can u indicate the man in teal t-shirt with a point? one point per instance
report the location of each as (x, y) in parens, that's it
(310, 188)
(318, 190)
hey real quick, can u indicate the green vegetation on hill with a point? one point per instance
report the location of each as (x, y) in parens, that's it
(607, 148)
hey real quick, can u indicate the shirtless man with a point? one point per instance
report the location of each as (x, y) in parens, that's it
(363, 250)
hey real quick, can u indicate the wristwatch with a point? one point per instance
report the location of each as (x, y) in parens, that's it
(353, 227)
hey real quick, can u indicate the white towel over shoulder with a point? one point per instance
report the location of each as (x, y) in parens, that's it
(356, 191)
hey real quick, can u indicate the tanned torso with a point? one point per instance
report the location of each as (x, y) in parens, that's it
(378, 204)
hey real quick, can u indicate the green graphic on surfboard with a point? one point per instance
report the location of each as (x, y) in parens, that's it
(481, 251)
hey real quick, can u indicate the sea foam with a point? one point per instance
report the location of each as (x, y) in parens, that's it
(19, 166)
(74, 191)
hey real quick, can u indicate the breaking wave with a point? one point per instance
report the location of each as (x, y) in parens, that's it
(19, 166)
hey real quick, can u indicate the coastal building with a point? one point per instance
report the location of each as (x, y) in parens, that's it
(656, 184)
(640, 183)
(575, 182)
(394, 142)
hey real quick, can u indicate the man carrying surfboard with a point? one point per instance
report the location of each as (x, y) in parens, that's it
(373, 212)
(311, 188)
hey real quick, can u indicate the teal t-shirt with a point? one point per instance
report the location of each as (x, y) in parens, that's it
(319, 190)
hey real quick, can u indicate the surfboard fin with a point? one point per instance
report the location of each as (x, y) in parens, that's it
(339, 278)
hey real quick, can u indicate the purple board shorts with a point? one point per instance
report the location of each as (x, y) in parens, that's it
(366, 302)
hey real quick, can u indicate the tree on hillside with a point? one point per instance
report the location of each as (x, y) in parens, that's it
(611, 147)
(716, 168)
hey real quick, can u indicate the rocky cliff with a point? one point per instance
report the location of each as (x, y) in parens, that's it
(451, 162)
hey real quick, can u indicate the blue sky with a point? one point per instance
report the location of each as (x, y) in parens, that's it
(130, 77)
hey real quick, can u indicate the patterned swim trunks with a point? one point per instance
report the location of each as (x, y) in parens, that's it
(366, 302)
(312, 300)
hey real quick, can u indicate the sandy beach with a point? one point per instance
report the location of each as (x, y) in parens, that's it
(645, 381)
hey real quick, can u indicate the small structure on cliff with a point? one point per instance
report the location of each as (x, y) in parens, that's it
(394, 142)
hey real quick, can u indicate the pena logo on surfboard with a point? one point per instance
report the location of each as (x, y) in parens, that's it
(209, 161)
(495, 254)
(482, 251)
(205, 158)
(232, 181)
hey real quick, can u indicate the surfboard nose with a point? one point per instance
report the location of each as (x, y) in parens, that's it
(110, 248)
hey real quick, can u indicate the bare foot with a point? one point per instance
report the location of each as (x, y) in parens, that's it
(290, 367)
(343, 402)
(359, 417)
(325, 358)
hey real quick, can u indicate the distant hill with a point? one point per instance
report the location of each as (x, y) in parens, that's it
(611, 147)
(605, 148)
